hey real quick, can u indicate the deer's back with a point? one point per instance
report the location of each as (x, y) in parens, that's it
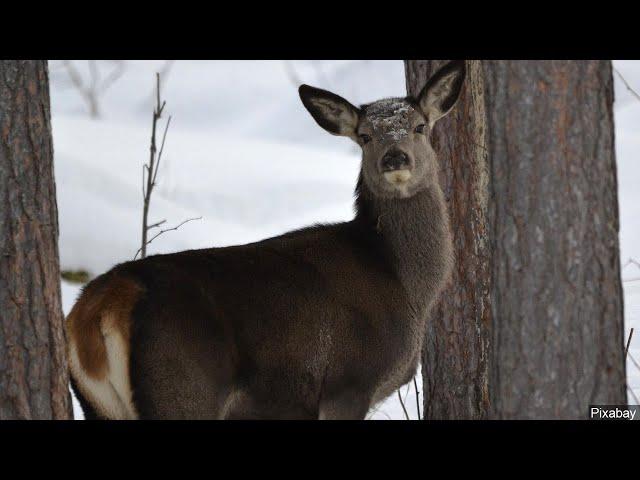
(271, 323)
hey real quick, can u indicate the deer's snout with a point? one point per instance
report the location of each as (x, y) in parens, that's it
(395, 160)
(396, 167)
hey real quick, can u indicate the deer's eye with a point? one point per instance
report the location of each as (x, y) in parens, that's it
(420, 128)
(365, 138)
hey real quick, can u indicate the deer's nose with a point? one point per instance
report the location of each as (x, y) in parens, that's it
(394, 160)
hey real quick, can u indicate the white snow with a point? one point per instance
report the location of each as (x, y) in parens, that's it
(70, 293)
(245, 155)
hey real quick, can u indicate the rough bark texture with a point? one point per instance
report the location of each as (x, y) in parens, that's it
(556, 293)
(33, 369)
(532, 324)
(455, 357)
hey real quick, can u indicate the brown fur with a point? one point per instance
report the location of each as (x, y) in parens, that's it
(103, 305)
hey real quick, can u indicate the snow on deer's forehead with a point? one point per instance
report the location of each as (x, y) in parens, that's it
(390, 117)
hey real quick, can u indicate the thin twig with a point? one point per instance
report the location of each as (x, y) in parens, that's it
(163, 75)
(151, 168)
(113, 76)
(94, 75)
(85, 92)
(165, 231)
(95, 87)
(626, 84)
(626, 350)
(172, 228)
(156, 224)
(631, 261)
(633, 360)
(164, 136)
(415, 386)
(404, 409)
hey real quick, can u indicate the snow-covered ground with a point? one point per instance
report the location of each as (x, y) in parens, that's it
(244, 154)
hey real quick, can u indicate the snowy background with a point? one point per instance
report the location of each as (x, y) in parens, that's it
(244, 154)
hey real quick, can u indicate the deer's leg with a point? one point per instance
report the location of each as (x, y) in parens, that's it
(349, 405)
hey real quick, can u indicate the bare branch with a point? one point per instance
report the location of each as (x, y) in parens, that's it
(94, 75)
(404, 409)
(164, 136)
(415, 386)
(163, 76)
(161, 232)
(161, 222)
(626, 84)
(150, 174)
(631, 261)
(150, 170)
(633, 360)
(626, 350)
(113, 77)
(74, 76)
(85, 92)
(90, 92)
(173, 228)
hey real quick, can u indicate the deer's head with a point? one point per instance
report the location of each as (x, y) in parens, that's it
(394, 133)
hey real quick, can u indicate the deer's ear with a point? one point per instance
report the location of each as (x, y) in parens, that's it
(441, 92)
(332, 112)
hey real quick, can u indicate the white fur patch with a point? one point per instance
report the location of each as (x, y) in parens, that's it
(109, 396)
(118, 357)
(397, 177)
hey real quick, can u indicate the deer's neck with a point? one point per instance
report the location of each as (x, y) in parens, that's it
(416, 238)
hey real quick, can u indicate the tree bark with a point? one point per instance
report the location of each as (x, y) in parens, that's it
(556, 294)
(532, 326)
(33, 370)
(455, 357)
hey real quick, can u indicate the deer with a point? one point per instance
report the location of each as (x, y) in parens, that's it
(323, 322)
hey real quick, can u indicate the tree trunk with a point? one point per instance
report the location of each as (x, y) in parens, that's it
(455, 357)
(536, 243)
(33, 369)
(557, 294)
